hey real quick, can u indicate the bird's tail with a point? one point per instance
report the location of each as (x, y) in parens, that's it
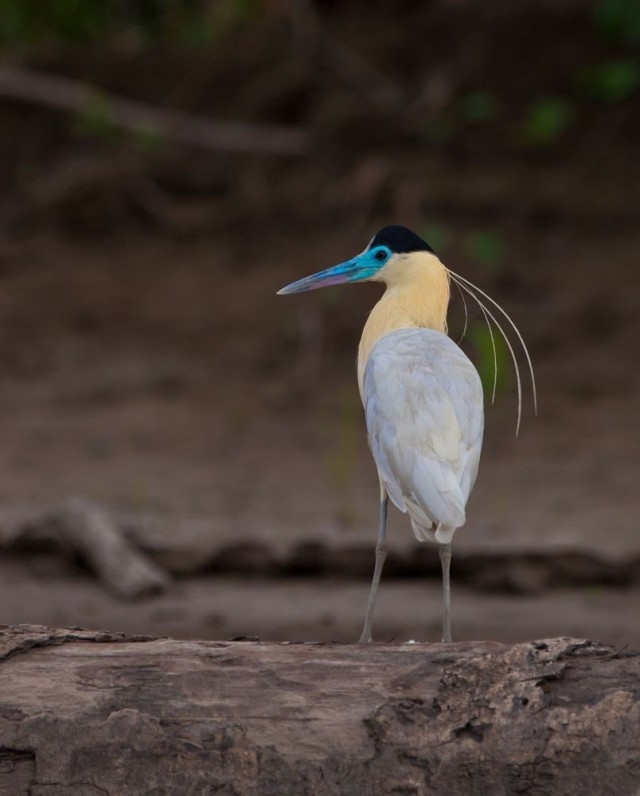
(439, 526)
(440, 535)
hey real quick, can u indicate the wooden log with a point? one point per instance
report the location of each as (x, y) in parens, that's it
(95, 713)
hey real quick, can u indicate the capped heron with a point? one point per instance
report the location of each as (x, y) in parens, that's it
(422, 396)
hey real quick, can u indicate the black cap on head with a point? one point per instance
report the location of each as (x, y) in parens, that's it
(400, 240)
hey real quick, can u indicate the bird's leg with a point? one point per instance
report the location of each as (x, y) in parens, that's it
(381, 554)
(445, 561)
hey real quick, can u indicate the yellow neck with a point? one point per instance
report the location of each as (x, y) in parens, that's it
(417, 295)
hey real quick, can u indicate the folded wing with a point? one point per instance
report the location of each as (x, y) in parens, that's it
(424, 414)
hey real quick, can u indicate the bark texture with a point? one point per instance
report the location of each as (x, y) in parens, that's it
(96, 713)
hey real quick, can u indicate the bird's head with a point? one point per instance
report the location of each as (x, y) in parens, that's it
(389, 254)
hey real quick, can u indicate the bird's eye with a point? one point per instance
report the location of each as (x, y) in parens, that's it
(381, 255)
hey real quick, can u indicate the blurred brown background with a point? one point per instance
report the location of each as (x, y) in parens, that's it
(148, 366)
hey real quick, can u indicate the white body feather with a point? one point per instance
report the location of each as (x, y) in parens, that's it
(424, 412)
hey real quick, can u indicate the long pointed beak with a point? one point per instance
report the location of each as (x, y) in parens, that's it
(349, 271)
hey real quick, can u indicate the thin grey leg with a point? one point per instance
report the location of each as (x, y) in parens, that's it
(445, 561)
(381, 554)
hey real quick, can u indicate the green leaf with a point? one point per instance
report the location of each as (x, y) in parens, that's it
(480, 336)
(95, 120)
(479, 106)
(147, 138)
(546, 120)
(487, 246)
(438, 236)
(613, 81)
(619, 19)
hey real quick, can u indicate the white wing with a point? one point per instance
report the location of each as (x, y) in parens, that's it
(424, 413)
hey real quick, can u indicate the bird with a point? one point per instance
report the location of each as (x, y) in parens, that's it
(422, 396)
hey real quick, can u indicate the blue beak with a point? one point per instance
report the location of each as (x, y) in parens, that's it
(349, 271)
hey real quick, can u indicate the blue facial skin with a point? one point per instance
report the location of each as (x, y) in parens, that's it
(364, 266)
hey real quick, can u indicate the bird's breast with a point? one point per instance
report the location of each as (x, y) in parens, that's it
(417, 303)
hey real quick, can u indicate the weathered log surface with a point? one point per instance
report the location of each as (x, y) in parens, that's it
(95, 713)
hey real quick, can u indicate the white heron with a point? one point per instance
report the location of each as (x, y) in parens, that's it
(422, 396)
